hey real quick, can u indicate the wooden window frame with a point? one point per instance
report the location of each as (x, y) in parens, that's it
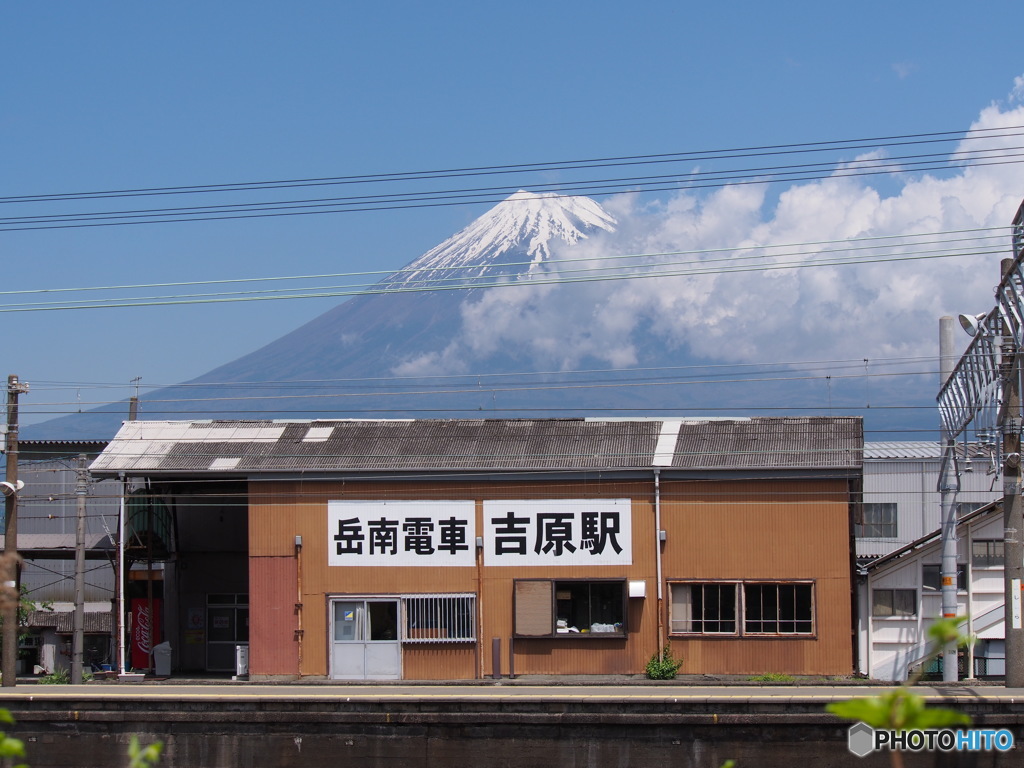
(741, 618)
(778, 585)
(535, 610)
(673, 585)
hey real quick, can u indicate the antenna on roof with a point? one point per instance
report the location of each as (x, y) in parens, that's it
(133, 404)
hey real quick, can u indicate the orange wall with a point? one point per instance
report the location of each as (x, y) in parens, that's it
(751, 529)
(769, 531)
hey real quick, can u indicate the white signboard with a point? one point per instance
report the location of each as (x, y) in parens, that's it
(397, 533)
(1015, 617)
(558, 532)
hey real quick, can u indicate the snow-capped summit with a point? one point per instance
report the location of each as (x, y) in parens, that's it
(369, 337)
(524, 224)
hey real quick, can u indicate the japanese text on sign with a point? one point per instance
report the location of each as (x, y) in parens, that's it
(518, 532)
(558, 532)
(424, 533)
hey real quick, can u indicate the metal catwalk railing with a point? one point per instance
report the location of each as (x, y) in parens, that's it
(974, 391)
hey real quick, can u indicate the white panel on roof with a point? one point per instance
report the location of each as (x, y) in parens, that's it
(268, 433)
(317, 434)
(665, 450)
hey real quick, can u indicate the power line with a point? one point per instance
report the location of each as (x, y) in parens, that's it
(548, 166)
(593, 187)
(692, 179)
(943, 238)
(553, 275)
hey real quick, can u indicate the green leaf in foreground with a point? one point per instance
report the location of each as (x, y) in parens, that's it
(898, 710)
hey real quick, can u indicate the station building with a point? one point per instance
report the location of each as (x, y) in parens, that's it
(470, 548)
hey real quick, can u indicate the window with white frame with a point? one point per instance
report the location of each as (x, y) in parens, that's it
(742, 608)
(987, 553)
(878, 521)
(704, 609)
(440, 618)
(893, 602)
(931, 578)
(966, 507)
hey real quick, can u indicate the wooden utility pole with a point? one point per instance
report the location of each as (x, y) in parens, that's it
(9, 571)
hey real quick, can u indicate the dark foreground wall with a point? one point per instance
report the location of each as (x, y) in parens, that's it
(458, 734)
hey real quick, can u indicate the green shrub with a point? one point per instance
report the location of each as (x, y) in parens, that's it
(663, 666)
(63, 677)
(57, 677)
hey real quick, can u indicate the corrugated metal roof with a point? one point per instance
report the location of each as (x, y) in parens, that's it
(59, 545)
(95, 622)
(917, 449)
(771, 443)
(252, 447)
(903, 450)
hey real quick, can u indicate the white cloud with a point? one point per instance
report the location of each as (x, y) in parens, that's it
(904, 69)
(871, 310)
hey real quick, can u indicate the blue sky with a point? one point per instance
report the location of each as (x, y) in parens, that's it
(112, 95)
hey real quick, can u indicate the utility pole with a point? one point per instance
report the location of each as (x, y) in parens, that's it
(1013, 521)
(9, 575)
(78, 627)
(949, 485)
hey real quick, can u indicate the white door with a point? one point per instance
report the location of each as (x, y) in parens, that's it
(366, 645)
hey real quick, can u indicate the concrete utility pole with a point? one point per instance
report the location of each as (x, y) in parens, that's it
(78, 627)
(949, 485)
(1013, 520)
(9, 575)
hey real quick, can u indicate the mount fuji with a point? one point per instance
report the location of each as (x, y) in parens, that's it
(354, 360)
(487, 324)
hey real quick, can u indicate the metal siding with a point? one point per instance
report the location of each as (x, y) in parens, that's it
(439, 662)
(912, 483)
(280, 510)
(273, 646)
(771, 531)
(715, 530)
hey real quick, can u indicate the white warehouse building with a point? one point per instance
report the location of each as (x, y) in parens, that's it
(899, 595)
(901, 497)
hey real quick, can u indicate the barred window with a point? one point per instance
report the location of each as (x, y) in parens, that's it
(442, 618)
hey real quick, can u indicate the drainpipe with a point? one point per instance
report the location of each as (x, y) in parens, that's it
(298, 603)
(120, 578)
(657, 557)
